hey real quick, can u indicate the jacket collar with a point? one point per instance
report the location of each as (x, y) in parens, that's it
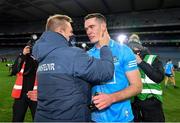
(54, 38)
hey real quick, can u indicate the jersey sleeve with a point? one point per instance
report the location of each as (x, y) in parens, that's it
(129, 60)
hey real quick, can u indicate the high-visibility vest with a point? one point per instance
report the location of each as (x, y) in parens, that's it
(16, 92)
(150, 88)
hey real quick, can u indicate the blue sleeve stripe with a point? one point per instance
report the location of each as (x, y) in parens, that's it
(132, 61)
(135, 65)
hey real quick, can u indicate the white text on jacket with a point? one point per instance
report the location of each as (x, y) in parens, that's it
(47, 67)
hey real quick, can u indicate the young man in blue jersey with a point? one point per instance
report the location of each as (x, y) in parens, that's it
(112, 101)
(169, 73)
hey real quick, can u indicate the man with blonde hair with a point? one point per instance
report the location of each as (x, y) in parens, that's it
(64, 72)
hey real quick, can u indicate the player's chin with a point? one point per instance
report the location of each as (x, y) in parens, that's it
(94, 41)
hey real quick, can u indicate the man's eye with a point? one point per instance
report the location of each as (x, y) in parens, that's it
(92, 26)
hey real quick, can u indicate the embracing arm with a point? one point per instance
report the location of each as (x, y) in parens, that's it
(94, 70)
(155, 71)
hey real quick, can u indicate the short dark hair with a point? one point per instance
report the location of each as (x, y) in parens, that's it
(99, 16)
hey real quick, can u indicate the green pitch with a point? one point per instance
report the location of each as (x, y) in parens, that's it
(171, 98)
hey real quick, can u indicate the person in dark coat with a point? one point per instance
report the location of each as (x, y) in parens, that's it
(24, 68)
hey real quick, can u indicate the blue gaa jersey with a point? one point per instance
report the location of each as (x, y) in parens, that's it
(168, 68)
(124, 61)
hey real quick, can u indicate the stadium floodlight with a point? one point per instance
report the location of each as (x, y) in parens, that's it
(84, 45)
(121, 38)
(32, 40)
(34, 36)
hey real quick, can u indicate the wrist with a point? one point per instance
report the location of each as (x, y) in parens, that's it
(139, 61)
(113, 98)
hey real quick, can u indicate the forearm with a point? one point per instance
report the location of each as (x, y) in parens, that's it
(173, 73)
(94, 70)
(17, 64)
(127, 93)
(155, 73)
(104, 100)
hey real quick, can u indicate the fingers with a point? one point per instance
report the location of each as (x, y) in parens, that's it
(101, 105)
(32, 95)
(102, 101)
(26, 50)
(138, 59)
(104, 38)
(26, 47)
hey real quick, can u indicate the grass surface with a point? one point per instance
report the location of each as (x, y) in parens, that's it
(6, 102)
(171, 98)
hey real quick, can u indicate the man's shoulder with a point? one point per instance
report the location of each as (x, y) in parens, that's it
(76, 50)
(118, 46)
(121, 49)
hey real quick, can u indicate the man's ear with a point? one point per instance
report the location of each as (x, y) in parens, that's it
(104, 28)
(60, 30)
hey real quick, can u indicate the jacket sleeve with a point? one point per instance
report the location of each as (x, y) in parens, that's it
(31, 65)
(155, 71)
(17, 64)
(94, 70)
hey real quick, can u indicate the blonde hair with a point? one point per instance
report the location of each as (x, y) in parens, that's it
(57, 20)
(134, 36)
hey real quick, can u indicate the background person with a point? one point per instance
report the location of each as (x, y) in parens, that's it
(147, 106)
(25, 69)
(169, 74)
